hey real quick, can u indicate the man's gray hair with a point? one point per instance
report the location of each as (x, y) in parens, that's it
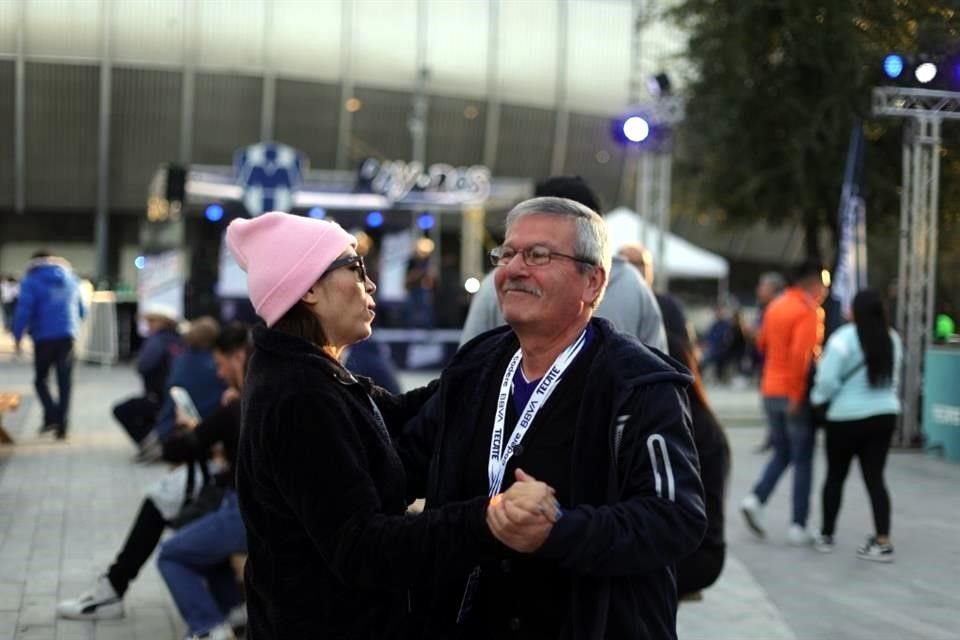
(590, 243)
(775, 280)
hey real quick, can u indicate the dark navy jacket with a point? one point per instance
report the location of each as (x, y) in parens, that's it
(637, 499)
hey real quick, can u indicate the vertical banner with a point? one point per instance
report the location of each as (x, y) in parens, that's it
(850, 269)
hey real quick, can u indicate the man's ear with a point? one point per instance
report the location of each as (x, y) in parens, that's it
(596, 278)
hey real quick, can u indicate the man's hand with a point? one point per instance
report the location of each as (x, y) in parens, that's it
(523, 516)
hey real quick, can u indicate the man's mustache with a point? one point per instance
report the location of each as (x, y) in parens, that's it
(514, 285)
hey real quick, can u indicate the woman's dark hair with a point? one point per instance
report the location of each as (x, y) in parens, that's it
(873, 329)
(681, 351)
(233, 337)
(300, 322)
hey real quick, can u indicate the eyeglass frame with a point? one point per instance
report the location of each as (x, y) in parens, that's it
(525, 255)
(355, 260)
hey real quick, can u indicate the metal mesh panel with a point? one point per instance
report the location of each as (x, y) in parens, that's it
(145, 131)
(226, 116)
(306, 117)
(61, 135)
(525, 144)
(380, 126)
(6, 133)
(592, 154)
(455, 131)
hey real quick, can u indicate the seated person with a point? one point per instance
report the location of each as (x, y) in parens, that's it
(195, 562)
(105, 599)
(195, 371)
(137, 415)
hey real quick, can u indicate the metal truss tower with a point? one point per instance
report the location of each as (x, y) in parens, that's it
(925, 110)
(654, 166)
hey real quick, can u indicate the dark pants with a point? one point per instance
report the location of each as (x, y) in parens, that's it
(869, 441)
(58, 354)
(145, 534)
(141, 541)
(699, 571)
(9, 308)
(137, 416)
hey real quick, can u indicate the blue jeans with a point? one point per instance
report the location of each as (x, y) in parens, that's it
(58, 354)
(792, 438)
(195, 565)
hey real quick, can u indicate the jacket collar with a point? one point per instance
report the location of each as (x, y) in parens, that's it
(299, 350)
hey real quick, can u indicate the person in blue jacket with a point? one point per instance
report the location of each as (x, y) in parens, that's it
(563, 398)
(858, 375)
(195, 371)
(50, 308)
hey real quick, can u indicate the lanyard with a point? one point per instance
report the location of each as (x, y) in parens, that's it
(500, 455)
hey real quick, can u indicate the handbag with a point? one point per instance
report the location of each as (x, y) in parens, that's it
(818, 412)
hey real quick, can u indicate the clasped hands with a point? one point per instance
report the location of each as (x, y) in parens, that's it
(523, 516)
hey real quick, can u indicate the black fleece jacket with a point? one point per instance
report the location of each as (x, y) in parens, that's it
(323, 497)
(636, 497)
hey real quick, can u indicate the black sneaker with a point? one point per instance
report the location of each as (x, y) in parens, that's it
(49, 427)
(876, 551)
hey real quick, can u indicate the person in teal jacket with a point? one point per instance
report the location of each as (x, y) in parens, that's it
(858, 377)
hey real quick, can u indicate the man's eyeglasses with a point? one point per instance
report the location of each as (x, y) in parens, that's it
(355, 263)
(534, 256)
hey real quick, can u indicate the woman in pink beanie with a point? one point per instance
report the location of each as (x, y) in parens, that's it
(322, 491)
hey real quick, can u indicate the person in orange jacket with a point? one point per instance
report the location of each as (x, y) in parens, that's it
(789, 339)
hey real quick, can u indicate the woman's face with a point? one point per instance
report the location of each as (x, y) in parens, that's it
(343, 300)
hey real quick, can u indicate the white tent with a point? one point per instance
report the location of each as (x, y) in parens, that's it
(683, 259)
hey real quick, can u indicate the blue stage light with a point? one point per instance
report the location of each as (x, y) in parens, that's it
(374, 219)
(214, 213)
(425, 221)
(636, 129)
(317, 213)
(893, 65)
(139, 262)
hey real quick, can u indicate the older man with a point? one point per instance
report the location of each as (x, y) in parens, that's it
(594, 414)
(629, 304)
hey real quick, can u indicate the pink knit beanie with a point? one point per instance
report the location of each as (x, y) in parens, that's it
(283, 256)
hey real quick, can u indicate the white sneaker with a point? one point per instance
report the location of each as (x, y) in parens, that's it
(220, 632)
(237, 617)
(99, 603)
(798, 536)
(823, 543)
(752, 512)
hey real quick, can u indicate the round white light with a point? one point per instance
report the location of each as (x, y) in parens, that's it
(926, 72)
(472, 285)
(636, 129)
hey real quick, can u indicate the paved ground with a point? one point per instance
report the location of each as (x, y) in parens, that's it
(65, 508)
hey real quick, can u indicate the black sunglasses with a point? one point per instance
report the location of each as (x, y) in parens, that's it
(355, 263)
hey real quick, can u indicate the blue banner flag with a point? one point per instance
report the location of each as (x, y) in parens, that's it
(850, 270)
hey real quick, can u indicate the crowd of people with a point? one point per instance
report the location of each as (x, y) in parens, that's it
(567, 453)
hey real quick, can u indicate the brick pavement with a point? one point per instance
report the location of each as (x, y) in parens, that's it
(65, 509)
